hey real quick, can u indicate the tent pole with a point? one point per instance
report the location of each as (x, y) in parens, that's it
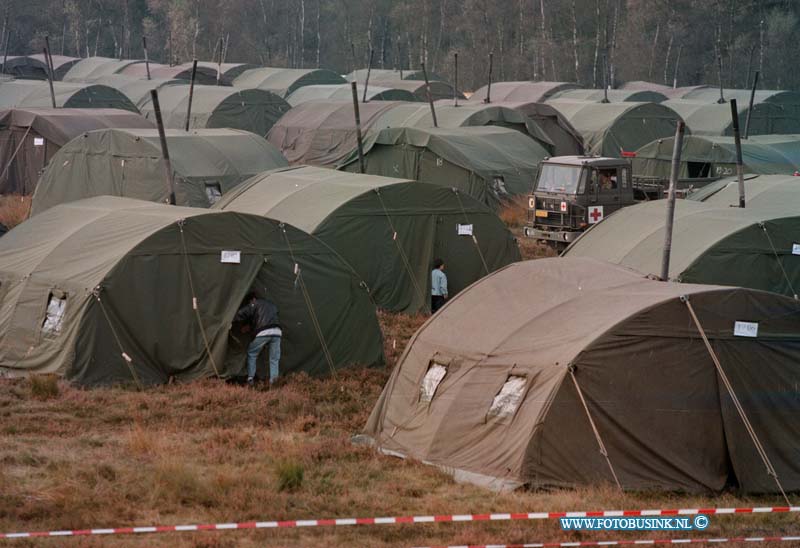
(738, 141)
(369, 69)
(191, 94)
(605, 78)
(353, 61)
(750, 107)
(50, 80)
(719, 79)
(5, 52)
(489, 86)
(354, 87)
(219, 62)
(162, 136)
(49, 59)
(673, 184)
(146, 59)
(455, 83)
(430, 97)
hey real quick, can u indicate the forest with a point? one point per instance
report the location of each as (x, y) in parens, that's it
(674, 42)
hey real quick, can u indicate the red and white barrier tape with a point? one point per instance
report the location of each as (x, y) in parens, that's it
(628, 542)
(402, 519)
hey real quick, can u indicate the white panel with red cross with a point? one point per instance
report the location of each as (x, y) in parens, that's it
(595, 214)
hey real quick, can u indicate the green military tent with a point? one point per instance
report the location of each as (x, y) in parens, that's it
(490, 164)
(254, 110)
(611, 129)
(29, 93)
(205, 75)
(343, 92)
(389, 75)
(113, 290)
(761, 191)
(228, 71)
(439, 90)
(613, 96)
(789, 100)
(91, 68)
(465, 115)
(711, 244)
(284, 82)
(714, 156)
(521, 92)
(568, 372)
(389, 230)
(136, 89)
(567, 141)
(34, 67)
(29, 138)
(715, 119)
(127, 162)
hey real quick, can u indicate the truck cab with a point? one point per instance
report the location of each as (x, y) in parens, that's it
(575, 192)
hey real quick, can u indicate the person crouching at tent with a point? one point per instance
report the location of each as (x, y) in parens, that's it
(261, 315)
(438, 285)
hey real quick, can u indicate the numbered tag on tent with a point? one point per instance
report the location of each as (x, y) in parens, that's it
(231, 257)
(38, 141)
(795, 249)
(465, 230)
(745, 329)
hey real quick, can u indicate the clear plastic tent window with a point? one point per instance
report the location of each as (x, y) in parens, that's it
(213, 193)
(505, 403)
(430, 382)
(56, 307)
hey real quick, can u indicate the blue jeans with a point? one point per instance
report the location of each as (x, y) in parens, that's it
(254, 350)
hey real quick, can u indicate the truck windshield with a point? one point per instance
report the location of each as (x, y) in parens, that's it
(556, 178)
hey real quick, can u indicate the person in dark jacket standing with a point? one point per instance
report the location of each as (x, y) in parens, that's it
(262, 315)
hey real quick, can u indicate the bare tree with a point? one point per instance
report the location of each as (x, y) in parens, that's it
(575, 43)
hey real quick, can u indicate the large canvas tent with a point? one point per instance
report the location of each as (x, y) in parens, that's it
(553, 373)
(761, 191)
(29, 93)
(490, 164)
(112, 290)
(389, 75)
(127, 162)
(439, 90)
(343, 92)
(284, 82)
(34, 67)
(789, 100)
(610, 129)
(711, 244)
(253, 110)
(527, 92)
(613, 95)
(566, 140)
(401, 227)
(715, 119)
(91, 68)
(136, 89)
(714, 156)
(29, 138)
(205, 75)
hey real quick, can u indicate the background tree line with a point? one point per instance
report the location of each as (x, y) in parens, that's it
(574, 40)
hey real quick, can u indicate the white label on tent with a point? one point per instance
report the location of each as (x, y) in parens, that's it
(745, 329)
(465, 230)
(233, 257)
(795, 249)
(38, 141)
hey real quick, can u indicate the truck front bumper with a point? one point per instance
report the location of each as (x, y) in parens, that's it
(560, 236)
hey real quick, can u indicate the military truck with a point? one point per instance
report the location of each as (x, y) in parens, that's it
(574, 192)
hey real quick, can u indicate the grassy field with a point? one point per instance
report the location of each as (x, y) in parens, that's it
(211, 452)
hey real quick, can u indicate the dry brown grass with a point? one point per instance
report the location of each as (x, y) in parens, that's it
(514, 212)
(210, 452)
(14, 209)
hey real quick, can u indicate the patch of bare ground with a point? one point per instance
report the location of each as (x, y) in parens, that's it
(14, 209)
(210, 452)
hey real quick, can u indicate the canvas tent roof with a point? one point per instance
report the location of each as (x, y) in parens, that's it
(488, 389)
(715, 119)
(283, 81)
(714, 156)
(91, 68)
(343, 92)
(384, 216)
(229, 70)
(742, 96)
(112, 272)
(761, 191)
(749, 247)
(30, 137)
(28, 93)
(205, 75)
(567, 141)
(128, 162)
(439, 90)
(613, 95)
(608, 129)
(254, 110)
(669, 91)
(495, 163)
(135, 89)
(34, 66)
(528, 92)
(386, 75)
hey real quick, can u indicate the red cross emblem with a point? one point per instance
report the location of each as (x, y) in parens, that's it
(595, 214)
(563, 206)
